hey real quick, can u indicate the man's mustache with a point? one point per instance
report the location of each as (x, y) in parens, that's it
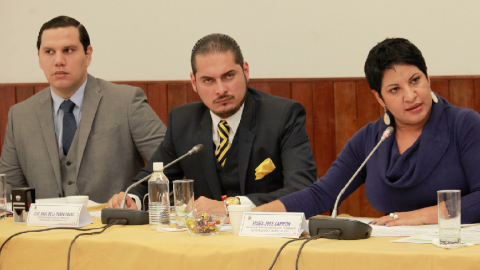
(223, 97)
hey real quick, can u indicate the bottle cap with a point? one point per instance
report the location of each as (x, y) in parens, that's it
(158, 166)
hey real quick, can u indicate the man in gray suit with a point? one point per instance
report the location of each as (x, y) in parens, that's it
(81, 135)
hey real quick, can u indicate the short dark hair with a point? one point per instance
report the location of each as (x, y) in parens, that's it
(65, 21)
(386, 54)
(215, 43)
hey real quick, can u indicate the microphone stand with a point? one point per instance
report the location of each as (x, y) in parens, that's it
(133, 216)
(350, 229)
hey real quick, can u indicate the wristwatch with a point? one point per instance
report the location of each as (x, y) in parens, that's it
(229, 201)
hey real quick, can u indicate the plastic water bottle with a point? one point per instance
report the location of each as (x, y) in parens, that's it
(158, 193)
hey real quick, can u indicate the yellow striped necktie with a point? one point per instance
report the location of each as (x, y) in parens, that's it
(223, 130)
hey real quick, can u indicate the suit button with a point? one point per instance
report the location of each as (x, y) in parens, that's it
(225, 175)
(70, 182)
(69, 163)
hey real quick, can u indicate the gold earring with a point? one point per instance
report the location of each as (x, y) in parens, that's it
(434, 97)
(386, 118)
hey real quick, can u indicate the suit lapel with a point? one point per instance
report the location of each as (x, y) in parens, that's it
(91, 101)
(246, 138)
(208, 161)
(45, 118)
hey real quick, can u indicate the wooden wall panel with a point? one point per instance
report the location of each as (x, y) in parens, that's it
(157, 98)
(281, 89)
(323, 126)
(7, 100)
(476, 91)
(461, 93)
(24, 92)
(143, 86)
(191, 95)
(177, 95)
(368, 110)
(302, 92)
(262, 86)
(346, 122)
(336, 109)
(345, 113)
(441, 87)
(40, 87)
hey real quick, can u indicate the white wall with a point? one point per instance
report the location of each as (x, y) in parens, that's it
(152, 39)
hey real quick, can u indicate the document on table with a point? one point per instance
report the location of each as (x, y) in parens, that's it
(397, 231)
(469, 235)
(401, 231)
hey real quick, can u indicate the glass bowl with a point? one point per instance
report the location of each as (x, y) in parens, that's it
(204, 224)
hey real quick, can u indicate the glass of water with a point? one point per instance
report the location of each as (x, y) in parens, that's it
(3, 196)
(183, 200)
(449, 216)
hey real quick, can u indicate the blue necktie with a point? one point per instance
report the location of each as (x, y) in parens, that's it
(69, 125)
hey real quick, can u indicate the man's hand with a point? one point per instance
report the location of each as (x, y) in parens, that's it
(205, 205)
(116, 200)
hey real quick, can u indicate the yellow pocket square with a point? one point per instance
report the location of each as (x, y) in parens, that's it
(264, 168)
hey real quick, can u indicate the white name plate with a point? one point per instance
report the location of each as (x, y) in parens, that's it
(266, 224)
(58, 215)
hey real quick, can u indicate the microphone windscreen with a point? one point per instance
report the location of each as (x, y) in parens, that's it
(388, 131)
(197, 148)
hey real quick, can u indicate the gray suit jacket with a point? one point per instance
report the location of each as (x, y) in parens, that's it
(117, 132)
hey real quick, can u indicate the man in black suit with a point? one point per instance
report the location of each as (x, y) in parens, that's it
(242, 130)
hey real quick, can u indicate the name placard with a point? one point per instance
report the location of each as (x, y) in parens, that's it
(58, 215)
(269, 224)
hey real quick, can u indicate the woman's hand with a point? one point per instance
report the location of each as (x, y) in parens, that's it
(428, 215)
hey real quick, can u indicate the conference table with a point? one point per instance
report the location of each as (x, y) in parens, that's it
(137, 247)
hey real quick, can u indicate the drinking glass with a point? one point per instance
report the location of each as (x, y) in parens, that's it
(449, 216)
(183, 200)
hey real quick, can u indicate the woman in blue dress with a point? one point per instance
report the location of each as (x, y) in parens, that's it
(435, 146)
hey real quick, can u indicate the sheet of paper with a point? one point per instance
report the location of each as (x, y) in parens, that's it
(61, 200)
(468, 236)
(401, 231)
(473, 228)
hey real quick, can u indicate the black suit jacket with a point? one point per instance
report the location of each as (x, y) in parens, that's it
(270, 127)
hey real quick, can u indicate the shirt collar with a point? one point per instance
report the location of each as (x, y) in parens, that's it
(233, 121)
(76, 98)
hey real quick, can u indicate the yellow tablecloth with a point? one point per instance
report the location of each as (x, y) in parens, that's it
(137, 247)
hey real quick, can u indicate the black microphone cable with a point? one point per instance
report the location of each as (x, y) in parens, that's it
(333, 232)
(88, 233)
(77, 229)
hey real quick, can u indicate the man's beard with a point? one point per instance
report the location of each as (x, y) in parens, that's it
(227, 113)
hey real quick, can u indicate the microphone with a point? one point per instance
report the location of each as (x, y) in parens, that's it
(350, 229)
(131, 216)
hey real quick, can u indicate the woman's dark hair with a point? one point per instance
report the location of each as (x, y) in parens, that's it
(386, 54)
